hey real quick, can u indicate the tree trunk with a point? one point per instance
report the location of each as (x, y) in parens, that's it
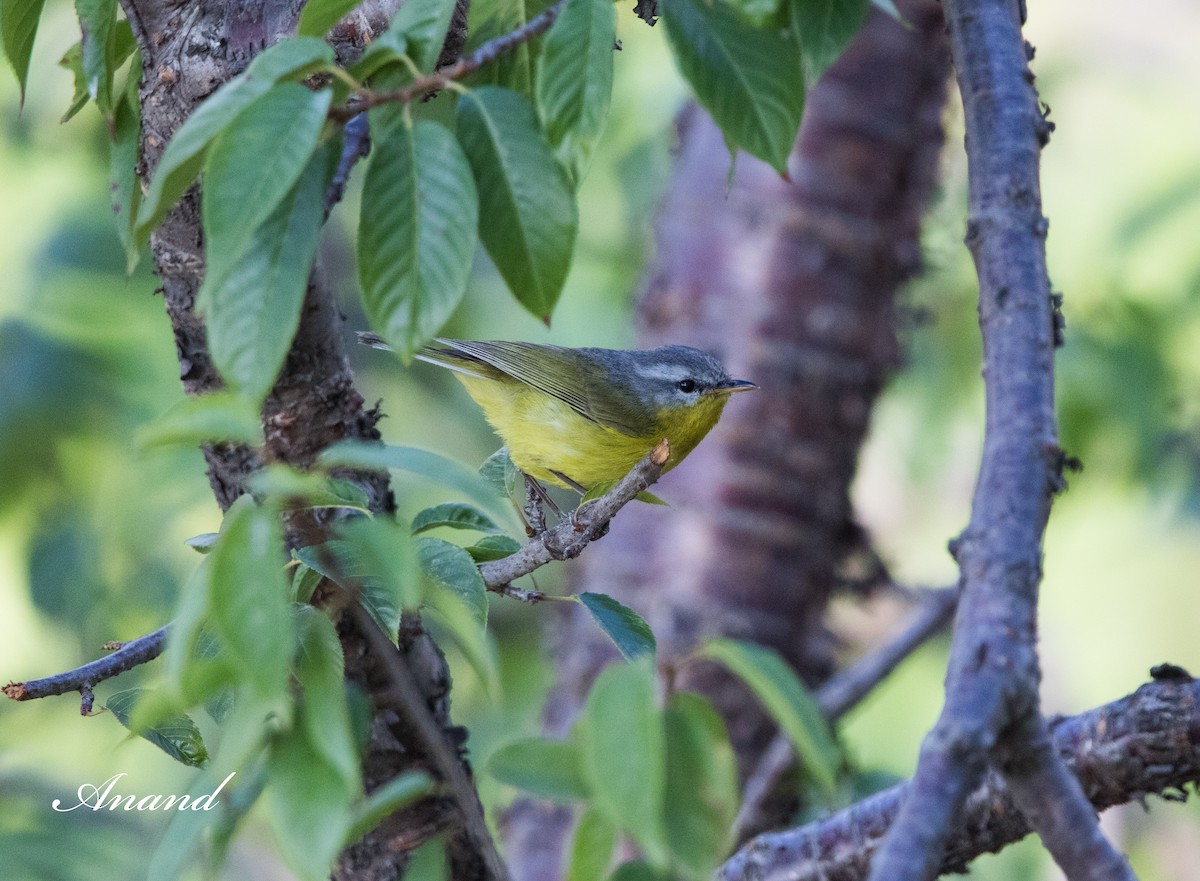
(188, 51)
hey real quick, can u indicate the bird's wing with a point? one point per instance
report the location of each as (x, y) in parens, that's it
(452, 360)
(561, 373)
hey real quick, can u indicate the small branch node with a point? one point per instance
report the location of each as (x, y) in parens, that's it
(15, 691)
(661, 453)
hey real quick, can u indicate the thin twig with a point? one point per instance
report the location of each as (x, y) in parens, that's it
(517, 593)
(568, 539)
(847, 687)
(83, 679)
(565, 541)
(356, 145)
(485, 54)
(407, 698)
(1143, 744)
(838, 696)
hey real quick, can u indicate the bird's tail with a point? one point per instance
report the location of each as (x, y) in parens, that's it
(374, 340)
(441, 357)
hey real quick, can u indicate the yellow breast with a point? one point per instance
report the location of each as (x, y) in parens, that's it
(544, 435)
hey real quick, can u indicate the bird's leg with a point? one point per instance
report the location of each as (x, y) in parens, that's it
(579, 526)
(576, 524)
(578, 487)
(534, 516)
(535, 497)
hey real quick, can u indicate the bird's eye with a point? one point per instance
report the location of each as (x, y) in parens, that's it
(687, 386)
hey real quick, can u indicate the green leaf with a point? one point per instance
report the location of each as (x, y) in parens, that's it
(499, 471)
(377, 556)
(251, 166)
(182, 660)
(889, 7)
(202, 543)
(304, 583)
(450, 617)
(220, 705)
(239, 751)
(319, 16)
(528, 218)
(417, 231)
(757, 12)
(307, 806)
(823, 28)
(592, 847)
(97, 19)
(424, 24)
(493, 18)
(399, 792)
(324, 714)
(18, 27)
(601, 489)
(211, 418)
(250, 610)
(253, 306)
(185, 152)
(107, 43)
(550, 769)
(388, 51)
(623, 744)
(749, 79)
(625, 627)
(428, 863)
(126, 192)
(424, 463)
(72, 61)
(178, 736)
(702, 784)
(455, 515)
(786, 699)
(637, 870)
(493, 547)
(344, 563)
(307, 489)
(382, 555)
(574, 81)
(451, 567)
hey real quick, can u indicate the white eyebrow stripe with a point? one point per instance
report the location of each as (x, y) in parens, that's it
(668, 372)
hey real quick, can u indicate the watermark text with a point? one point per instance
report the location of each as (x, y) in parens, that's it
(103, 797)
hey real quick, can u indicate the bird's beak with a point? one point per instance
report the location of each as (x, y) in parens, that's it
(730, 386)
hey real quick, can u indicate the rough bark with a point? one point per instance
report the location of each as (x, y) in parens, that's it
(188, 51)
(1147, 743)
(793, 284)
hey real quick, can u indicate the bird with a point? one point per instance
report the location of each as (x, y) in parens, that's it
(582, 418)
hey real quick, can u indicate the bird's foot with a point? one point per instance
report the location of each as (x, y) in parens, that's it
(579, 522)
(534, 514)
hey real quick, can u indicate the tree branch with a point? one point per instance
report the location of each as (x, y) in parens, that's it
(991, 710)
(423, 85)
(83, 679)
(406, 697)
(567, 540)
(356, 144)
(840, 693)
(1147, 743)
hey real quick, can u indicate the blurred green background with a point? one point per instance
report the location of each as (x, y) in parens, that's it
(92, 528)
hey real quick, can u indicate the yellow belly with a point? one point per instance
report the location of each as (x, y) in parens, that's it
(544, 435)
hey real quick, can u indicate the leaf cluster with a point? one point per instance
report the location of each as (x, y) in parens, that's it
(500, 169)
(662, 773)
